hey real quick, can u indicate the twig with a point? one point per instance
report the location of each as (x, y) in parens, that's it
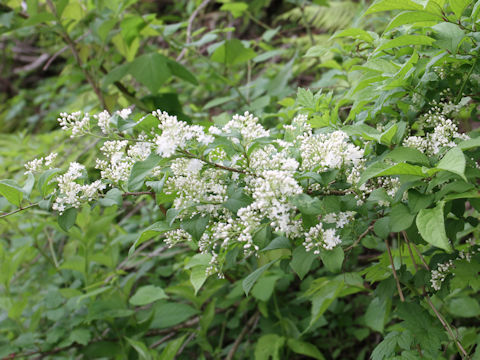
(50, 246)
(400, 293)
(138, 193)
(76, 55)
(362, 235)
(162, 340)
(418, 253)
(252, 321)
(33, 65)
(446, 327)
(18, 210)
(185, 343)
(189, 28)
(62, 50)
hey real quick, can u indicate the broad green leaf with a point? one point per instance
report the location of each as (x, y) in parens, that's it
(264, 287)
(140, 170)
(232, 52)
(418, 201)
(251, 279)
(196, 226)
(382, 169)
(268, 347)
(305, 98)
(235, 8)
(307, 205)
(151, 231)
(304, 348)
(459, 6)
(469, 144)
(302, 261)
(405, 40)
(172, 348)
(376, 314)
(142, 349)
(181, 72)
(453, 161)
(152, 70)
(112, 197)
(408, 154)
(388, 5)
(413, 17)
(147, 295)
(168, 314)
(67, 219)
(400, 218)
(198, 276)
(356, 34)
(44, 179)
(464, 307)
(431, 225)
(449, 36)
(11, 191)
(323, 297)
(237, 199)
(280, 242)
(333, 259)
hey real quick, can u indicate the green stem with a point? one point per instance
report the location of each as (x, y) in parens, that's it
(460, 92)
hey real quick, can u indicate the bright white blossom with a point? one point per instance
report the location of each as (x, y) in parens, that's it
(318, 238)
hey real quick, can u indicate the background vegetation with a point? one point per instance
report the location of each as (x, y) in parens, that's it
(94, 283)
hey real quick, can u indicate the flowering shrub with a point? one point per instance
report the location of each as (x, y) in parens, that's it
(355, 213)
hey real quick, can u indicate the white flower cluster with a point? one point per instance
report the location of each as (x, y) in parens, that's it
(37, 164)
(438, 276)
(71, 193)
(75, 122)
(328, 151)
(247, 127)
(444, 131)
(340, 220)
(121, 157)
(176, 134)
(318, 238)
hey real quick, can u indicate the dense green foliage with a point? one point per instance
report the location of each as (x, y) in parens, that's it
(340, 224)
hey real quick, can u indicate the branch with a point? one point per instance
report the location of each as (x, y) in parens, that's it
(400, 293)
(189, 28)
(251, 323)
(76, 55)
(362, 235)
(18, 210)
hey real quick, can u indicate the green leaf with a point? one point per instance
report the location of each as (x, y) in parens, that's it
(405, 40)
(323, 297)
(80, 336)
(304, 348)
(388, 5)
(431, 225)
(280, 242)
(333, 259)
(11, 191)
(198, 276)
(147, 295)
(250, 280)
(67, 219)
(376, 314)
(469, 144)
(196, 226)
(413, 17)
(112, 197)
(181, 72)
(237, 199)
(140, 170)
(172, 348)
(356, 34)
(302, 261)
(459, 6)
(382, 169)
(400, 218)
(305, 98)
(152, 70)
(418, 201)
(269, 345)
(454, 161)
(464, 307)
(232, 52)
(386, 347)
(264, 287)
(141, 348)
(307, 205)
(235, 8)
(170, 314)
(407, 154)
(155, 229)
(449, 36)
